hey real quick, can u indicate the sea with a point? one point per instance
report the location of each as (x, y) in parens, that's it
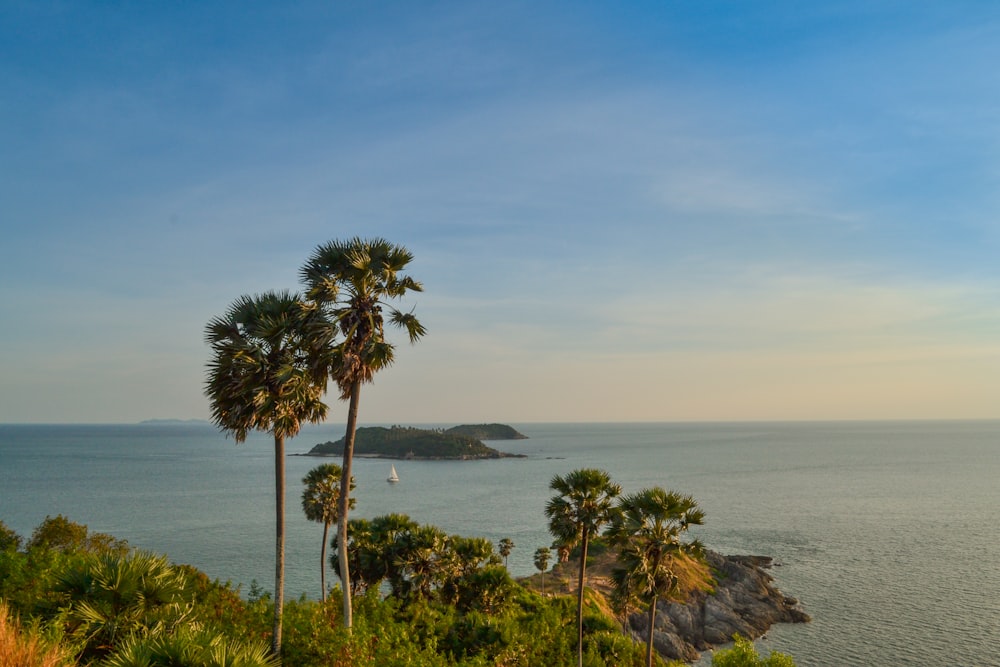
(887, 532)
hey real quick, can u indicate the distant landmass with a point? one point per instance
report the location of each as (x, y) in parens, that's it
(168, 422)
(487, 432)
(406, 442)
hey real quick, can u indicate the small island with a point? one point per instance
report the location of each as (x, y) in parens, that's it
(407, 442)
(487, 432)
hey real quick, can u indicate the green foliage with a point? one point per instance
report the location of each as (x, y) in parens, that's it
(542, 557)
(647, 529)
(744, 654)
(149, 613)
(268, 372)
(190, 648)
(321, 503)
(27, 579)
(610, 647)
(487, 432)
(322, 493)
(127, 610)
(110, 598)
(269, 365)
(9, 539)
(354, 281)
(421, 562)
(487, 590)
(29, 646)
(404, 441)
(61, 534)
(505, 547)
(583, 505)
(100, 599)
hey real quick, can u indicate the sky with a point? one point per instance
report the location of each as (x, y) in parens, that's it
(644, 211)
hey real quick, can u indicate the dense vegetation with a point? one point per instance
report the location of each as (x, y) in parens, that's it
(94, 601)
(487, 432)
(420, 596)
(402, 442)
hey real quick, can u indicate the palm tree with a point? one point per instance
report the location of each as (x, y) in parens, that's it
(376, 551)
(268, 372)
(421, 559)
(353, 281)
(112, 596)
(364, 557)
(583, 506)
(320, 498)
(542, 555)
(648, 529)
(505, 547)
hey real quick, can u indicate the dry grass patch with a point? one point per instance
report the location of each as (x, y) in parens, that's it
(693, 575)
(20, 647)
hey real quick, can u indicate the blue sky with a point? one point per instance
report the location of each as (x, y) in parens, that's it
(619, 211)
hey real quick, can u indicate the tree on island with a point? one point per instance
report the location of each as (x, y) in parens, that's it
(320, 499)
(647, 528)
(268, 372)
(352, 282)
(583, 505)
(505, 546)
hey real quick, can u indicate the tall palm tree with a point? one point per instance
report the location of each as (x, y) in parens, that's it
(268, 372)
(648, 528)
(542, 556)
(505, 547)
(320, 499)
(583, 505)
(353, 281)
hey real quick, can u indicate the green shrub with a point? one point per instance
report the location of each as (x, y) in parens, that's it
(744, 654)
(9, 540)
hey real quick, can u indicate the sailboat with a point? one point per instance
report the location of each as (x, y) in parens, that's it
(393, 477)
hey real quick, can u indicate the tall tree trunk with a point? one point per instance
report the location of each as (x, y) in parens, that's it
(579, 600)
(322, 562)
(649, 641)
(345, 492)
(279, 541)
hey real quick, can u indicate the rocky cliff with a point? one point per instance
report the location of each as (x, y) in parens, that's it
(745, 601)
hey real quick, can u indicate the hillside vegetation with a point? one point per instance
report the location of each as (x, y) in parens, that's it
(407, 442)
(487, 432)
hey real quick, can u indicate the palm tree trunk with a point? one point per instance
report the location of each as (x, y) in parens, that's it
(649, 641)
(322, 562)
(579, 601)
(345, 492)
(279, 541)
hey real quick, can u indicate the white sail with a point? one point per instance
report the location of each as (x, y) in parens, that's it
(393, 477)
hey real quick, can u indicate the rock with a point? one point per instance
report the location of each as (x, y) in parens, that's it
(745, 601)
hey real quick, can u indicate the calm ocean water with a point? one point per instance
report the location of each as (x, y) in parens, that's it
(887, 532)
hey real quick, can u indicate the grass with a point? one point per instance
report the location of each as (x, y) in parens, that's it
(561, 579)
(25, 647)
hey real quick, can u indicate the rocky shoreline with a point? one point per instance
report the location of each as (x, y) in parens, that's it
(745, 601)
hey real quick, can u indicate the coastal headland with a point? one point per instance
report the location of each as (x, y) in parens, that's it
(458, 443)
(718, 597)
